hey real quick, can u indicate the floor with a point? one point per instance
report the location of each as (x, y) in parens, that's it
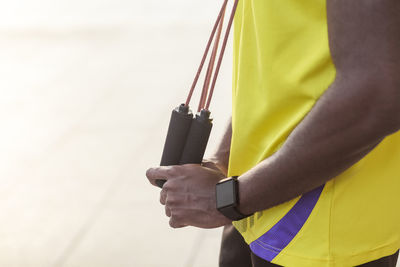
(87, 88)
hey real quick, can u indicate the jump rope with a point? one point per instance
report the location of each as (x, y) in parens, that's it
(188, 135)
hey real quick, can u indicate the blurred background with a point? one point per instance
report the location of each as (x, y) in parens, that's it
(86, 91)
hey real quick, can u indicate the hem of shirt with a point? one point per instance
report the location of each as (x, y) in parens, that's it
(287, 259)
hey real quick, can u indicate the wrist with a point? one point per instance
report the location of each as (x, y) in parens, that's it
(227, 199)
(243, 206)
(221, 164)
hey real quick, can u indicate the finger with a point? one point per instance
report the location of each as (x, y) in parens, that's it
(174, 222)
(167, 211)
(163, 196)
(160, 173)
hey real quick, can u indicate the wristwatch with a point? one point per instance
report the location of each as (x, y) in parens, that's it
(227, 192)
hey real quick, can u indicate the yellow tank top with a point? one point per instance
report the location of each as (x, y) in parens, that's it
(282, 65)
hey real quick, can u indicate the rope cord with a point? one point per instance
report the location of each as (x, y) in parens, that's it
(205, 53)
(218, 24)
(210, 68)
(221, 56)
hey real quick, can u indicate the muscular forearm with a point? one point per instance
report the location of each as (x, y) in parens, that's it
(358, 110)
(334, 136)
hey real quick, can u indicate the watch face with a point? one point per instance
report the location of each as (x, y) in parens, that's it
(226, 194)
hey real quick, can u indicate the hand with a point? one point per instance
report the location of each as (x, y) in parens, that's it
(189, 195)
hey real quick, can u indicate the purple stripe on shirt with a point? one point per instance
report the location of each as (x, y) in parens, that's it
(269, 245)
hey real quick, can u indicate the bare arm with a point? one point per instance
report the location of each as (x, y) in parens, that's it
(359, 109)
(221, 155)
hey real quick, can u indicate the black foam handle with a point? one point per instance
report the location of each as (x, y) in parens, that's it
(178, 130)
(197, 139)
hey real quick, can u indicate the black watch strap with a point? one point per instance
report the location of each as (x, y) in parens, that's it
(232, 213)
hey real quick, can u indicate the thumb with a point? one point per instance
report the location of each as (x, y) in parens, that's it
(160, 173)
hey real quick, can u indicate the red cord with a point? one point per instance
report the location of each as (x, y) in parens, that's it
(210, 68)
(221, 56)
(218, 23)
(206, 53)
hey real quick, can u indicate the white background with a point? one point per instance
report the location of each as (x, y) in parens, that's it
(86, 91)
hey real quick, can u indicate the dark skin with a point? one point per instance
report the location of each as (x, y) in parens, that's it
(354, 115)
